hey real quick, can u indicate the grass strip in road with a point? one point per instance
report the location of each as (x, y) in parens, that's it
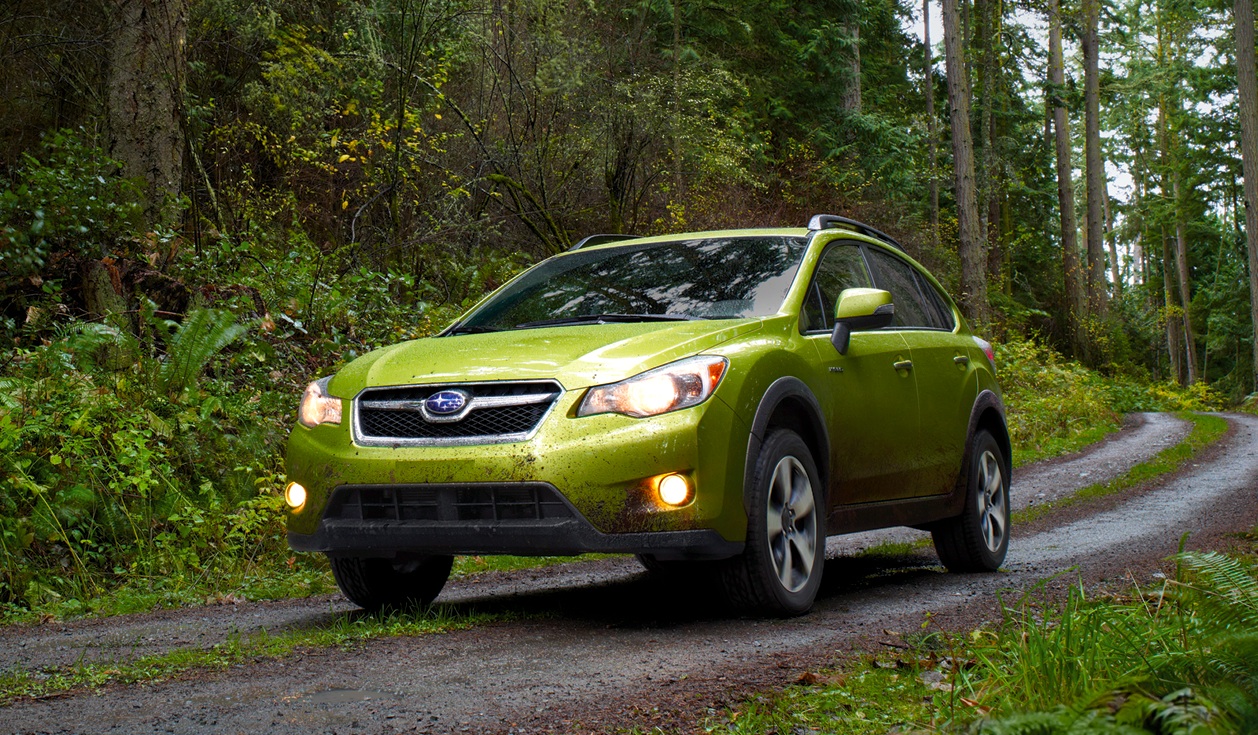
(1206, 430)
(344, 630)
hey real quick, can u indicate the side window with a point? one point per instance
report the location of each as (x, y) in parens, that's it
(938, 309)
(900, 278)
(841, 266)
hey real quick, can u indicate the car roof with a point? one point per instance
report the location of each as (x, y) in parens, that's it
(819, 224)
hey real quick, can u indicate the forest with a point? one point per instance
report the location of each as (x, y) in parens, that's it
(206, 203)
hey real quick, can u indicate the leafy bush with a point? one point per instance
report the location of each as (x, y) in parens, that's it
(1055, 405)
(69, 201)
(143, 474)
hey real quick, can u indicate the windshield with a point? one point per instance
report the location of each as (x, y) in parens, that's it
(687, 279)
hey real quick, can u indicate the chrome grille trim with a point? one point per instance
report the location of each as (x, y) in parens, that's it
(543, 391)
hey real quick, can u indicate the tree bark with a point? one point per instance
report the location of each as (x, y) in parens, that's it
(1247, 78)
(973, 245)
(1075, 302)
(931, 132)
(1095, 167)
(851, 101)
(1115, 271)
(1174, 322)
(1185, 294)
(147, 64)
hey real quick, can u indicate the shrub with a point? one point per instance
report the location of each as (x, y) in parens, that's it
(70, 201)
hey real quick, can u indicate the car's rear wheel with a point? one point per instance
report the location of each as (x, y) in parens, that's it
(978, 539)
(393, 583)
(779, 571)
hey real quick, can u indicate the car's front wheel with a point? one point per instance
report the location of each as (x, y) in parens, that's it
(779, 571)
(978, 539)
(378, 583)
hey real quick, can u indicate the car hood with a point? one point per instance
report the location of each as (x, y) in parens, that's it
(577, 356)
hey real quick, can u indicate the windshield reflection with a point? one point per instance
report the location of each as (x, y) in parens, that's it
(707, 279)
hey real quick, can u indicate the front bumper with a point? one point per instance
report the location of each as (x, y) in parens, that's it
(559, 536)
(602, 467)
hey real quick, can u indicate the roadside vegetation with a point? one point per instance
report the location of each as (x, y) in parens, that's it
(1178, 657)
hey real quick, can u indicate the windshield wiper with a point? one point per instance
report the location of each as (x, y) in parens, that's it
(605, 318)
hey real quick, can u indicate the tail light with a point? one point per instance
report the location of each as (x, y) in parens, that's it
(986, 347)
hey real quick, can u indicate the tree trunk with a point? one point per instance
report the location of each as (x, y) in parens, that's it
(1065, 184)
(147, 64)
(851, 101)
(931, 133)
(678, 182)
(1185, 297)
(1095, 168)
(1174, 323)
(1248, 89)
(972, 246)
(1115, 271)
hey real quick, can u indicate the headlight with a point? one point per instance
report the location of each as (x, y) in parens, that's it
(317, 407)
(680, 384)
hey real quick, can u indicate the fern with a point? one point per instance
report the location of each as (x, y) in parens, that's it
(1224, 596)
(203, 334)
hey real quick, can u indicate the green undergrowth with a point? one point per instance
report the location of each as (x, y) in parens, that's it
(343, 631)
(1206, 430)
(1057, 406)
(1181, 657)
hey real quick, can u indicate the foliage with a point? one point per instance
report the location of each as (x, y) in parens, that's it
(1181, 659)
(138, 472)
(69, 201)
(1056, 405)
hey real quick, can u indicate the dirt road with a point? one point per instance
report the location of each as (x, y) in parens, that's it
(604, 644)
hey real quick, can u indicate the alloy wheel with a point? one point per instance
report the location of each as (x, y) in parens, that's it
(792, 524)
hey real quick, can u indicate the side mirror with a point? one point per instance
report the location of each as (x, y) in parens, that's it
(860, 310)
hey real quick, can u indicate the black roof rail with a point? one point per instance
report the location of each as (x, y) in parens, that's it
(587, 241)
(825, 221)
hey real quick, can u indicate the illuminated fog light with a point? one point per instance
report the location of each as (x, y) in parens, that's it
(295, 495)
(674, 490)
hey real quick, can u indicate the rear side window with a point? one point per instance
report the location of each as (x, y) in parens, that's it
(937, 306)
(841, 267)
(917, 304)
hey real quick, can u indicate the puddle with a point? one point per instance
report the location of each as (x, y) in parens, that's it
(346, 696)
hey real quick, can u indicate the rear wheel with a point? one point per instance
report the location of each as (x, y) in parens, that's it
(978, 539)
(779, 571)
(378, 583)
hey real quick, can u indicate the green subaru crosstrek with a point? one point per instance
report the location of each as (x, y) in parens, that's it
(725, 397)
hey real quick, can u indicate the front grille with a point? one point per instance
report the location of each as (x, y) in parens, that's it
(497, 412)
(452, 503)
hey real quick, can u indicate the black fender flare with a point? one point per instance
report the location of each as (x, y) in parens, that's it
(782, 389)
(986, 401)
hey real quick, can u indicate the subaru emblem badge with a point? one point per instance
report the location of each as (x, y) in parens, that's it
(446, 402)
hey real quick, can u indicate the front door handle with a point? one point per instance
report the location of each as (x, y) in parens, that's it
(961, 360)
(903, 365)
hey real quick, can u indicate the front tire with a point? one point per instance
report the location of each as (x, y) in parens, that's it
(373, 584)
(978, 539)
(779, 571)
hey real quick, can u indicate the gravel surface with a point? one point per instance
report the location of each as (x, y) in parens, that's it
(606, 644)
